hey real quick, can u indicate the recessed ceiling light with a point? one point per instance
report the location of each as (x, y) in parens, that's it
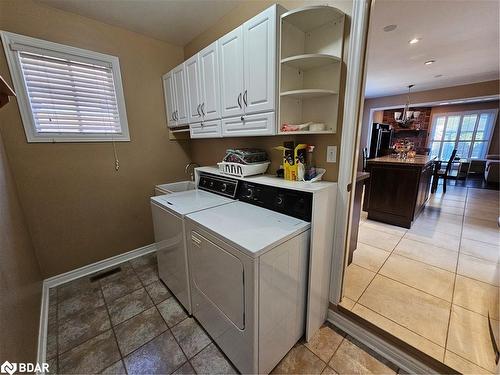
(429, 62)
(414, 40)
(438, 76)
(390, 28)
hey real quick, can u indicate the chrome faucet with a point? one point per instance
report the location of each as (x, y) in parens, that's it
(192, 166)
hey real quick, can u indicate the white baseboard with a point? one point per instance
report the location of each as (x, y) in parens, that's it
(395, 355)
(73, 275)
(98, 266)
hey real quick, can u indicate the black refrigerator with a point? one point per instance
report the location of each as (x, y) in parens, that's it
(381, 139)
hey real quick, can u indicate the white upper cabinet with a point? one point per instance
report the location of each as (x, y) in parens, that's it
(259, 36)
(179, 77)
(210, 106)
(232, 78)
(231, 73)
(193, 89)
(169, 93)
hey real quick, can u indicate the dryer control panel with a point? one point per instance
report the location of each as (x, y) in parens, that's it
(289, 202)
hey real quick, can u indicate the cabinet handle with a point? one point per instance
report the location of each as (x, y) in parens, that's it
(239, 100)
(198, 109)
(245, 98)
(203, 109)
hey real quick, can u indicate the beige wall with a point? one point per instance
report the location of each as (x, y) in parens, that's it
(78, 209)
(494, 146)
(20, 279)
(438, 95)
(206, 152)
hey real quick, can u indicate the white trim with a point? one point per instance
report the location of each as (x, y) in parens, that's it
(23, 98)
(72, 275)
(350, 135)
(395, 355)
(44, 321)
(98, 266)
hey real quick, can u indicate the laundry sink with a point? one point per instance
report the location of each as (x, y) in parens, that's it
(175, 187)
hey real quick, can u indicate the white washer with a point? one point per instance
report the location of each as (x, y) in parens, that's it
(168, 219)
(249, 268)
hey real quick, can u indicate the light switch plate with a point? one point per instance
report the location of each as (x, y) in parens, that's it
(331, 154)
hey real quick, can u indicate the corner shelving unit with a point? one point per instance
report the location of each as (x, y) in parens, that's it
(311, 46)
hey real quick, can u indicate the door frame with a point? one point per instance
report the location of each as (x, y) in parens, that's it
(351, 130)
(349, 152)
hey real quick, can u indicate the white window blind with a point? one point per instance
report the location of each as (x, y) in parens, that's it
(71, 95)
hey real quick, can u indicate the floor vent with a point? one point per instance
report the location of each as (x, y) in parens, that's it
(104, 274)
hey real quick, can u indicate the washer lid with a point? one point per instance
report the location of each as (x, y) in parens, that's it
(252, 229)
(189, 201)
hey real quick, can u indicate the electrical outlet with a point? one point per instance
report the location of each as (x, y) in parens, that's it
(331, 154)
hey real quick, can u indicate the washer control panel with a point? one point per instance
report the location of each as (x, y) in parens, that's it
(218, 185)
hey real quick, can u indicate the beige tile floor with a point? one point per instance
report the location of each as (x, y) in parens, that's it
(434, 284)
(129, 323)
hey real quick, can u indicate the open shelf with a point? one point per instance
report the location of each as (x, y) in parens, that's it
(311, 50)
(306, 132)
(307, 93)
(310, 61)
(311, 17)
(180, 130)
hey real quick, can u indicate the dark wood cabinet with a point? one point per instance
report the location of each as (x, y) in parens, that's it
(398, 189)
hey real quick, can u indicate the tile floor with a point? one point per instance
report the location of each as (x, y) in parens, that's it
(129, 323)
(434, 285)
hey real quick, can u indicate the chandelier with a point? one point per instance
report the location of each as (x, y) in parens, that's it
(405, 118)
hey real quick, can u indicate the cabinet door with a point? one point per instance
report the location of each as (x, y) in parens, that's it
(193, 89)
(169, 94)
(231, 72)
(209, 82)
(181, 113)
(259, 37)
(247, 126)
(206, 129)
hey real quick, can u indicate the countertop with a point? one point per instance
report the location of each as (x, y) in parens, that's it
(419, 160)
(271, 180)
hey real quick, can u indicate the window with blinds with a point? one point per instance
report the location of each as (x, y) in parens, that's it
(66, 94)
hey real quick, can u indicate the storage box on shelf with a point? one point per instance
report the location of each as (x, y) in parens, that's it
(311, 46)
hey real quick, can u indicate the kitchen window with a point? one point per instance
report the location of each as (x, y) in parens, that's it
(66, 94)
(469, 132)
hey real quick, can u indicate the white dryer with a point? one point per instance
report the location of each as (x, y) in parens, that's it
(168, 219)
(249, 269)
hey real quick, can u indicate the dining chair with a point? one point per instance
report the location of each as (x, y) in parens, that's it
(365, 158)
(442, 173)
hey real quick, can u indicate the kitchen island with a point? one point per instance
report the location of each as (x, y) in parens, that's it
(398, 189)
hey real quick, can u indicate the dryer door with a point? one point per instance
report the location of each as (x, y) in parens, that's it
(219, 276)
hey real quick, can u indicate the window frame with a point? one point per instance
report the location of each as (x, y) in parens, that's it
(18, 81)
(462, 114)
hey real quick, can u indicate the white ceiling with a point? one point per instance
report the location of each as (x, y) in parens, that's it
(462, 36)
(173, 21)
